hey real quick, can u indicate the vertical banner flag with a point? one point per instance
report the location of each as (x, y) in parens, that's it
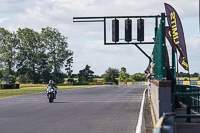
(177, 35)
(169, 38)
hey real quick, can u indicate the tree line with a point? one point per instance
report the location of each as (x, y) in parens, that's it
(114, 75)
(30, 56)
(125, 77)
(182, 74)
(110, 75)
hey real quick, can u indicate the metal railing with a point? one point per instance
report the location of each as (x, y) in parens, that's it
(192, 82)
(190, 96)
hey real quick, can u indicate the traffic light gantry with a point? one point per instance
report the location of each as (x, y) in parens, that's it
(128, 29)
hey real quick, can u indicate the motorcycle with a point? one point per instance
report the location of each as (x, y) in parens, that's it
(51, 93)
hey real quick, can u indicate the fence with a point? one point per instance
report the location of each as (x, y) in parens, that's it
(9, 86)
(190, 96)
(136, 83)
(160, 88)
(192, 82)
(159, 51)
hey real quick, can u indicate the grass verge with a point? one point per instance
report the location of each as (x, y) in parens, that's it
(32, 90)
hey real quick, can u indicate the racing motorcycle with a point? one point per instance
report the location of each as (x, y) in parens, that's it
(51, 93)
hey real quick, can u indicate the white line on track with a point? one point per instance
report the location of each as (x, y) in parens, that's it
(139, 124)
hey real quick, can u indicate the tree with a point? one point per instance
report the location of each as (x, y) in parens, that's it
(110, 75)
(181, 74)
(57, 51)
(30, 54)
(138, 77)
(68, 69)
(195, 74)
(37, 56)
(124, 76)
(85, 75)
(24, 78)
(123, 70)
(8, 42)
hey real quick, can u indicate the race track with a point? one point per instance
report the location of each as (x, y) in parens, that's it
(102, 109)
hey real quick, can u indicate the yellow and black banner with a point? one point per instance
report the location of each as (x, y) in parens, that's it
(177, 35)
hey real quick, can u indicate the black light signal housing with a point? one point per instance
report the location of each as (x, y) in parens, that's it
(128, 30)
(140, 30)
(115, 30)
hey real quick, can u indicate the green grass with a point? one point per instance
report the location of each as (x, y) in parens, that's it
(32, 90)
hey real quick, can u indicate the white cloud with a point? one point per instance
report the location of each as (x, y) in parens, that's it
(193, 43)
(193, 53)
(86, 39)
(3, 19)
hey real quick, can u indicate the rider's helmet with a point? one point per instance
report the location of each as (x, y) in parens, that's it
(51, 82)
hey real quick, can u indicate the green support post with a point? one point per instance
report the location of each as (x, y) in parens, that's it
(144, 53)
(174, 63)
(188, 108)
(163, 47)
(156, 25)
(173, 102)
(198, 103)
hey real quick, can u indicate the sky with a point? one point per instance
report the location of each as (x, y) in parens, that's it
(86, 40)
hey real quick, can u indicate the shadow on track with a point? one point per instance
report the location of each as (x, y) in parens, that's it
(61, 102)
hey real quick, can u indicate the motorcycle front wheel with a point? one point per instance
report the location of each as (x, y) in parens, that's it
(50, 98)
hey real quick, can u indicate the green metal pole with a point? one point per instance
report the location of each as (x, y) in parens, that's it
(174, 63)
(173, 102)
(156, 25)
(144, 53)
(188, 108)
(198, 102)
(163, 47)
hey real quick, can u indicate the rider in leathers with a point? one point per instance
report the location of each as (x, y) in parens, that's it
(53, 85)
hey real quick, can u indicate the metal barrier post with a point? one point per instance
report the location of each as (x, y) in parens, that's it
(173, 102)
(198, 103)
(188, 108)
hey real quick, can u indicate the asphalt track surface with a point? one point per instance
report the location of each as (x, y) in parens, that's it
(102, 109)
